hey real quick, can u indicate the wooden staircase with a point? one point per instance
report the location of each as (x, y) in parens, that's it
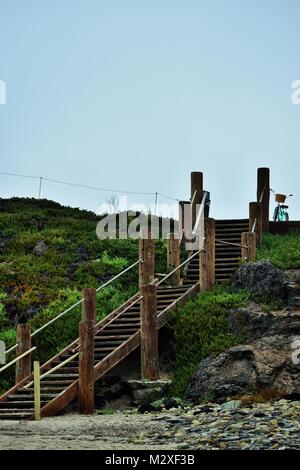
(227, 254)
(116, 336)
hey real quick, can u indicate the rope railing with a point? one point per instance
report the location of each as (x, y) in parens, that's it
(178, 267)
(79, 302)
(17, 359)
(223, 242)
(49, 372)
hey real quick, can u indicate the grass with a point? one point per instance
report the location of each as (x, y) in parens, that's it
(281, 250)
(201, 329)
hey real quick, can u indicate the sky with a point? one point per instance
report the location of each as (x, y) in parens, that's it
(134, 95)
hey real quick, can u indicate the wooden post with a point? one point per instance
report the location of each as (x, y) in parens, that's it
(37, 391)
(147, 267)
(86, 352)
(149, 339)
(210, 238)
(255, 214)
(196, 185)
(173, 258)
(185, 221)
(248, 246)
(263, 184)
(23, 366)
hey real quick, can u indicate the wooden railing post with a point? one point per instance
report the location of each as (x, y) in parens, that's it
(255, 218)
(263, 184)
(37, 391)
(248, 246)
(196, 186)
(173, 258)
(185, 221)
(23, 366)
(149, 330)
(86, 352)
(147, 266)
(207, 257)
(210, 238)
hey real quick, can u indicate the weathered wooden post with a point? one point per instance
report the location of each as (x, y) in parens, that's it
(149, 333)
(173, 258)
(146, 267)
(207, 256)
(248, 246)
(263, 195)
(210, 238)
(86, 352)
(23, 366)
(196, 193)
(255, 220)
(185, 221)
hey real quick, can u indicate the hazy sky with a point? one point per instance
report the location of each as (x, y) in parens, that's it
(134, 95)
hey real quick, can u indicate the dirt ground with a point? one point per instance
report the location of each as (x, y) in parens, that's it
(74, 432)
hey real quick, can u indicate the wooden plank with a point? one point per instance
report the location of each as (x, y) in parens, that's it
(255, 217)
(196, 186)
(173, 258)
(147, 267)
(263, 184)
(37, 391)
(23, 366)
(149, 333)
(248, 241)
(86, 367)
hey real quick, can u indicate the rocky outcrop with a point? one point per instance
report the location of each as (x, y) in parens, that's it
(262, 279)
(267, 363)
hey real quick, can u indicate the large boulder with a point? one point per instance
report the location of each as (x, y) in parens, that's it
(266, 362)
(263, 279)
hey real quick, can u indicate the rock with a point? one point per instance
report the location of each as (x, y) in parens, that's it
(172, 403)
(231, 405)
(262, 279)
(40, 248)
(263, 367)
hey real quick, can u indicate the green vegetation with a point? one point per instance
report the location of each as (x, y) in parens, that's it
(281, 250)
(201, 329)
(36, 286)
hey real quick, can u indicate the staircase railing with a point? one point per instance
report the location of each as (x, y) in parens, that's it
(76, 304)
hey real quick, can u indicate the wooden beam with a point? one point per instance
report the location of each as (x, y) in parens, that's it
(23, 366)
(149, 333)
(86, 353)
(37, 391)
(147, 267)
(255, 217)
(173, 258)
(248, 246)
(196, 186)
(263, 184)
(89, 304)
(210, 238)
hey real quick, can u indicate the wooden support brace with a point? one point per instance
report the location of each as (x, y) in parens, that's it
(196, 186)
(263, 184)
(147, 266)
(173, 258)
(86, 353)
(23, 366)
(255, 217)
(149, 333)
(248, 246)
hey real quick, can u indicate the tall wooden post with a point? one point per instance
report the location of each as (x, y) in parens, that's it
(173, 258)
(210, 238)
(248, 246)
(149, 339)
(185, 221)
(86, 352)
(196, 186)
(147, 266)
(255, 217)
(23, 366)
(263, 184)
